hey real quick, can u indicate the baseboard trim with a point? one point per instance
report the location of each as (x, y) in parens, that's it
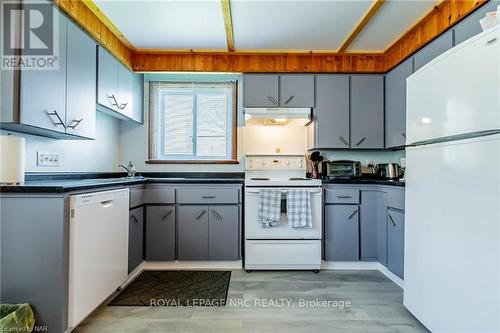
(198, 264)
(363, 265)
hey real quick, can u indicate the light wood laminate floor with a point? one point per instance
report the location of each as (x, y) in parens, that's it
(376, 305)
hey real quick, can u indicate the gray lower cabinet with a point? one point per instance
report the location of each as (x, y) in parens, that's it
(367, 112)
(437, 47)
(260, 90)
(223, 232)
(395, 241)
(193, 232)
(136, 238)
(368, 224)
(330, 125)
(342, 232)
(296, 91)
(208, 232)
(395, 104)
(470, 26)
(382, 229)
(160, 233)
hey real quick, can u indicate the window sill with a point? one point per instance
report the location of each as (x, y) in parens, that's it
(192, 162)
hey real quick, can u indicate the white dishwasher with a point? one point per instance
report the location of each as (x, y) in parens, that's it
(98, 249)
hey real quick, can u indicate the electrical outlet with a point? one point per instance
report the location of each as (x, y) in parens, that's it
(47, 159)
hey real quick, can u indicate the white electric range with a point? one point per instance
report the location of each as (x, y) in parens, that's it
(280, 247)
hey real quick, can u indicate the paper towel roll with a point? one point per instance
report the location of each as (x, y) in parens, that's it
(12, 159)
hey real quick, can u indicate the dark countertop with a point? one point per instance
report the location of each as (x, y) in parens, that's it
(364, 181)
(68, 182)
(59, 183)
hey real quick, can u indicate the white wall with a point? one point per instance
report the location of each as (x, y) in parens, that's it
(99, 155)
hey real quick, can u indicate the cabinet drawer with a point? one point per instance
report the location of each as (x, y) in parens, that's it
(159, 194)
(342, 195)
(135, 196)
(395, 198)
(207, 195)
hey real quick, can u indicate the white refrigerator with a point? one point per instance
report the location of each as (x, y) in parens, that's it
(452, 213)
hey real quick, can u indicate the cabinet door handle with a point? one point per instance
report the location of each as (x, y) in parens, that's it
(76, 123)
(288, 100)
(361, 141)
(202, 213)
(114, 102)
(208, 197)
(134, 219)
(216, 213)
(352, 213)
(343, 141)
(59, 120)
(403, 135)
(491, 41)
(167, 215)
(390, 219)
(122, 106)
(271, 98)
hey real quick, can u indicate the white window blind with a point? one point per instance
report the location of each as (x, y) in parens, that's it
(192, 121)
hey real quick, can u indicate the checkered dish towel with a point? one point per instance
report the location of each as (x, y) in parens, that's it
(298, 208)
(269, 207)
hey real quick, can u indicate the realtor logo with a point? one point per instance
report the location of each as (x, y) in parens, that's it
(30, 36)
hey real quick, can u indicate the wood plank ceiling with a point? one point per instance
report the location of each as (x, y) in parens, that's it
(443, 16)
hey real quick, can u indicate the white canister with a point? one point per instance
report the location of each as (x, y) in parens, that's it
(12, 159)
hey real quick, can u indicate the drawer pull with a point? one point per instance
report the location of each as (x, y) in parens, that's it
(491, 41)
(208, 197)
(167, 215)
(344, 196)
(202, 213)
(216, 213)
(352, 214)
(390, 219)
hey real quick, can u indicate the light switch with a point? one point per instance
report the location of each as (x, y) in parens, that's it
(47, 159)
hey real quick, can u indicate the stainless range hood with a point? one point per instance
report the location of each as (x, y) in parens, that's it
(278, 116)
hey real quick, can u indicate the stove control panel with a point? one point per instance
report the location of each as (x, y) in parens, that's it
(275, 163)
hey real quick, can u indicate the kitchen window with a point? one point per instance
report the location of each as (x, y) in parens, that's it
(192, 122)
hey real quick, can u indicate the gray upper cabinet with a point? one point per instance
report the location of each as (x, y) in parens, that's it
(330, 125)
(368, 224)
(434, 49)
(296, 91)
(395, 241)
(367, 112)
(42, 92)
(342, 232)
(137, 98)
(395, 104)
(107, 79)
(136, 238)
(160, 233)
(193, 232)
(81, 83)
(125, 90)
(470, 26)
(261, 90)
(223, 232)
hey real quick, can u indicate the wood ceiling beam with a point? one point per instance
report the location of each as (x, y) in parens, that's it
(374, 8)
(228, 24)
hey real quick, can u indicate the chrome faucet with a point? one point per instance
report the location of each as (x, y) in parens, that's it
(130, 168)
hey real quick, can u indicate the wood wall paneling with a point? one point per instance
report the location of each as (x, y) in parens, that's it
(442, 17)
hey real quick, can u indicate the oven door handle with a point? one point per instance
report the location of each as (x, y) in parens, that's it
(284, 191)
